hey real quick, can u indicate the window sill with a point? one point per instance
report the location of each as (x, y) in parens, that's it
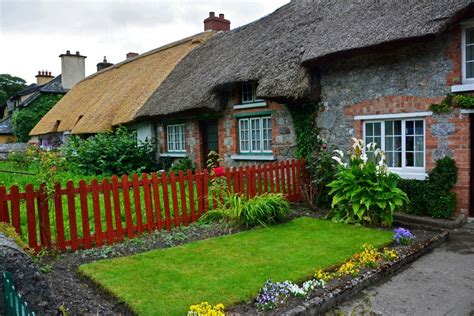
(411, 175)
(250, 105)
(173, 155)
(253, 157)
(463, 87)
(467, 111)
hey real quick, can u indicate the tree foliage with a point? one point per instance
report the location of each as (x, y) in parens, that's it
(23, 120)
(9, 86)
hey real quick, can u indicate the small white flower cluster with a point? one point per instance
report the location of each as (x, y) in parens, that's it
(305, 289)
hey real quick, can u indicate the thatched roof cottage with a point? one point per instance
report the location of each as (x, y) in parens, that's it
(113, 95)
(377, 66)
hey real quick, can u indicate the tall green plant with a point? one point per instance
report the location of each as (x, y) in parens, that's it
(365, 192)
(116, 152)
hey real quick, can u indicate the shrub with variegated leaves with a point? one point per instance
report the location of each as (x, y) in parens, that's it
(364, 192)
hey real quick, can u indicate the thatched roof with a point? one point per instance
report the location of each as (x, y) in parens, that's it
(272, 50)
(113, 95)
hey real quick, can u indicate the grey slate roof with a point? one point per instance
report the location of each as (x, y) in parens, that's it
(6, 126)
(53, 86)
(272, 50)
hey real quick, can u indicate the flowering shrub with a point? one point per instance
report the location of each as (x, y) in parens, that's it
(218, 171)
(206, 309)
(364, 190)
(274, 294)
(402, 236)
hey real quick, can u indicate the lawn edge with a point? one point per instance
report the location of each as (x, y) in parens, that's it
(318, 305)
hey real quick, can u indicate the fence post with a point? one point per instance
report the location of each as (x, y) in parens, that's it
(182, 193)
(43, 214)
(156, 200)
(31, 216)
(166, 201)
(191, 196)
(58, 209)
(15, 207)
(148, 208)
(117, 209)
(126, 206)
(86, 232)
(3, 205)
(108, 211)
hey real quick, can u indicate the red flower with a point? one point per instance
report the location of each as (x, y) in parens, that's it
(218, 171)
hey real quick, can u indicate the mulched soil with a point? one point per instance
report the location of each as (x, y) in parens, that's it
(78, 295)
(337, 285)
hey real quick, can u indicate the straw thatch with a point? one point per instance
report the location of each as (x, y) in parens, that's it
(113, 95)
(273, 49)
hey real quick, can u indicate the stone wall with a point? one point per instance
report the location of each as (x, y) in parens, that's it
(27, 279)
(403, 78)
(5, 149)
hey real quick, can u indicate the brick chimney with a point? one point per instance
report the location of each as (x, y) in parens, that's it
(43, 77)
(131, 55)
(216, 23)
(73, 69)
(104, 64)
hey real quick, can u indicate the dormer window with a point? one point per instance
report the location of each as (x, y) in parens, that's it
(249, 94)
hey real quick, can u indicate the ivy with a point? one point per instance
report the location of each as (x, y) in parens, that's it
(462, 101)
(465, 101)
(25, 119)
(445, 106)
(304, 123)
(317, 154)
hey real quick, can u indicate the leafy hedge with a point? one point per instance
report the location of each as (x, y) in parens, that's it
(433, 197)
(116, 152)
(25, 119)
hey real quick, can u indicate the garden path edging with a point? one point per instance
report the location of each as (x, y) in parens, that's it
(320, 305)
(424, 222)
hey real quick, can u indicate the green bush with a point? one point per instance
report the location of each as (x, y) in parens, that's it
(364, 192)
(183, 164)
(25, 119)
(107, 153)
(265, 209)
(465, 101)
(432, 197)
(20, 160)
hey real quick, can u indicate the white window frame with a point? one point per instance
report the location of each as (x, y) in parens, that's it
(172, 141)
(465, 26)
(404, 171)
(251, 150)
(254, 93)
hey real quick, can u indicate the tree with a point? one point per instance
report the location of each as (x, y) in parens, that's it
(23, 120)
(9, 86)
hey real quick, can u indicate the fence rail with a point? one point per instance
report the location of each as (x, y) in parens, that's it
(104, 213)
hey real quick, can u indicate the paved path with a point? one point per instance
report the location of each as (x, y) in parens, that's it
(439, 283)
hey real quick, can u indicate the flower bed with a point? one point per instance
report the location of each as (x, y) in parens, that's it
(349, 278)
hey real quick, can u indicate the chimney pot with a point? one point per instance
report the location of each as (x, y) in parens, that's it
(39, 72)
(77, 52)
(216, 23)
(131, 55)
(68, 52)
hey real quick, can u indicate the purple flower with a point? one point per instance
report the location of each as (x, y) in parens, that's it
(402, 236)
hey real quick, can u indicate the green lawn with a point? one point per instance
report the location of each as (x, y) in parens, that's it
(229, 269)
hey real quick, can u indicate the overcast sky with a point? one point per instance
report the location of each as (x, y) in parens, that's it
(34, 32)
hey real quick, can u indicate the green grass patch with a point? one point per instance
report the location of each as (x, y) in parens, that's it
(229, 269)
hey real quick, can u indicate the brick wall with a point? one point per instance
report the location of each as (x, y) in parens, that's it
(407, 78)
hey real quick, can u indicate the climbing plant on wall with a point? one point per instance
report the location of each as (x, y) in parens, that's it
(314, 150)
(23, 120)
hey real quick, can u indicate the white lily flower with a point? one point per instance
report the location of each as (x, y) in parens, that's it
(337, 159)
(364, 158)
(339, 152)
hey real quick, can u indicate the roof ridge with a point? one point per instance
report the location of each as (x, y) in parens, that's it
(148, 53)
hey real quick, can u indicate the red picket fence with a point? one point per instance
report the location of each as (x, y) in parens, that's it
(107, 212)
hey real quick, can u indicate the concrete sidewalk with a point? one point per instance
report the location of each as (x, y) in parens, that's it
(439, 283)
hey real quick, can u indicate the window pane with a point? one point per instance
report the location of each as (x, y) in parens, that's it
(397, 127)
(389, 128)
(369, 129)
(419, 143)
(409, 143)
(377, 129)
(389, 143)
(470, 69)
(470, 35)
(378, 142)
(409, 160)
(398, 143)
(469, 52)
(389, 156)
(419, 159)
(247, 92)
(409, 127)
(419, 130)
(397, 159)
(244, 134)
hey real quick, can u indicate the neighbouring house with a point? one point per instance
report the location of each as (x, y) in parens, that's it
(41, 96)
(376, 66)
(112, 96)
